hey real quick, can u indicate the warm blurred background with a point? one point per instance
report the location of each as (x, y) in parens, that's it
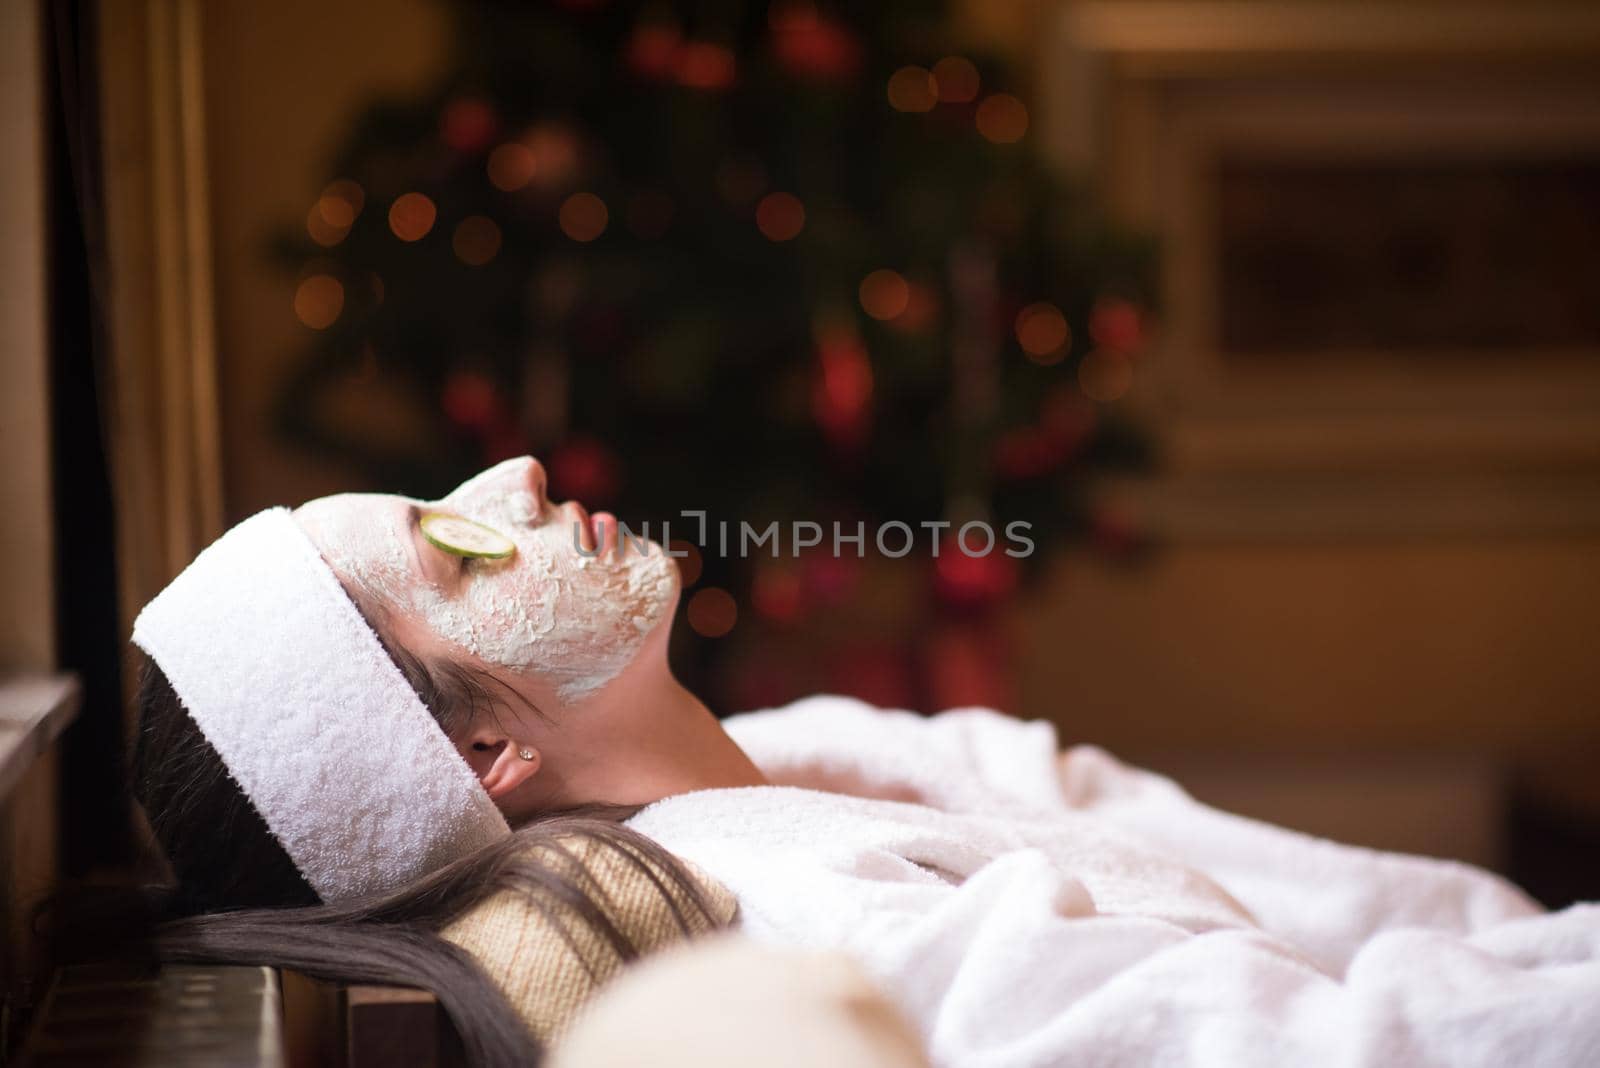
(1278, 320)
(778, 263)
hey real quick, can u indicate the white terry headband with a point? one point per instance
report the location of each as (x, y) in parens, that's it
(315, 723)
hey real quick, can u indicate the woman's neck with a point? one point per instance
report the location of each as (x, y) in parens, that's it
(650, 738)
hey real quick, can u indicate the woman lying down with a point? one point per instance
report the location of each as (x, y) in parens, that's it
(384, 711)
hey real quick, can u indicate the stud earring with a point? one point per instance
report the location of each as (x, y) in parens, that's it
(525, 753)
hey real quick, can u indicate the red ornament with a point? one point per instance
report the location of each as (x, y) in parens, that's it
(813, 47)
(471, 401)
(973, 582)
(1115, 324)
(558, 154)
(652, 50)
(504, 441)
(778, 594)
(586, 470)
(1066, 420)
(706, 66)
(841, 397)
(469, 124)
(970, 665)
(828, 579)
(1027, 452)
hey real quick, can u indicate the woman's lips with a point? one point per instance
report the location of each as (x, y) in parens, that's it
(598, 534)
(579, 516)
(604, 525)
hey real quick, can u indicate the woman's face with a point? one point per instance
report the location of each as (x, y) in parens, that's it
(570, 620)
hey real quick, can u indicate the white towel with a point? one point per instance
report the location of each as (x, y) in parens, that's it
(1028, 910)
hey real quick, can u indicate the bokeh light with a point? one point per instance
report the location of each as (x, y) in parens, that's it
(689, 564)
(652, 50)
(471, 400)
(955, 80)
(913, 89)
(811, 46)
(1002, 118)
(1105, 375)
(1115, 323)
(1043, 333)
(335, 211)
(341, 202)
(780, 216)
(778, 594)
(468, 124)
(712, 612)
(884, 294)
(557, 154)
(706, 65)
(411, 216)
(973, 581)
(476, 240)
(319, 300)
(583, 216)
(511, 167)
(921, 311)
(841, 395)
(321, 231)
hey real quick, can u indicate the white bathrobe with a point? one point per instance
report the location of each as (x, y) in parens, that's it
(1029, 908)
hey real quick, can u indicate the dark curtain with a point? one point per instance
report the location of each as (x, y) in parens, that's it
(94, 806)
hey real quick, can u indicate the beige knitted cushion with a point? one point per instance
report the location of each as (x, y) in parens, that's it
(547, 966)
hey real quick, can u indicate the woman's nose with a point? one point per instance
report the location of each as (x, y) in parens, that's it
(535, 477)
(531, 476)
(522, 474)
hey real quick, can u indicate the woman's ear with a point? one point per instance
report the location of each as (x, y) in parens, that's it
(502, 764)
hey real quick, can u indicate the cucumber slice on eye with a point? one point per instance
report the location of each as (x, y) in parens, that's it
(463, 537)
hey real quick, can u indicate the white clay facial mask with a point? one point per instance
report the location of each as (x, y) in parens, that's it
(546, 609)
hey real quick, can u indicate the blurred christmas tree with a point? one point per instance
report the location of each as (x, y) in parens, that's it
(772, 262)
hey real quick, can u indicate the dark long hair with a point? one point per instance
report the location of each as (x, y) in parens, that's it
(238, 898)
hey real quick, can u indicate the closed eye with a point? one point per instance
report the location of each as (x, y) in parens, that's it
(426, 555)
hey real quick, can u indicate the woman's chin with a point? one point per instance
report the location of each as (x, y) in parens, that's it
(657, 630)
(669, 609)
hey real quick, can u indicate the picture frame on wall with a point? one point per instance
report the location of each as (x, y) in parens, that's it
(1335, 354)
